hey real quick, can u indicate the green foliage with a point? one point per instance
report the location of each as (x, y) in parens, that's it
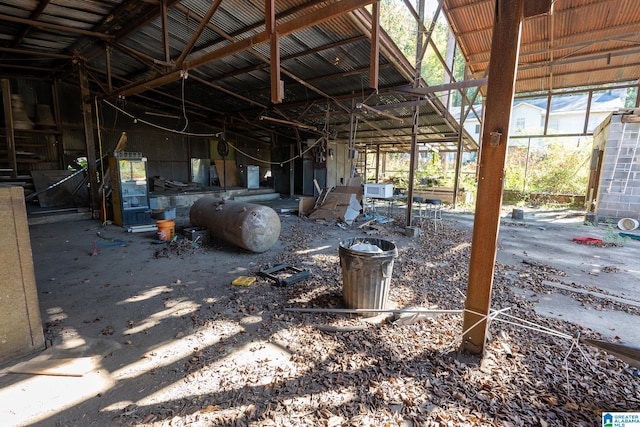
(630, 101)
(401, 26)
(553, 165)
(398, 22)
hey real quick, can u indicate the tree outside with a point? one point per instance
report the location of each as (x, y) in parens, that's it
(538, 165)
(548, 165)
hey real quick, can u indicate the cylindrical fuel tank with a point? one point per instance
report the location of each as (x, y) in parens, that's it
(249, 226)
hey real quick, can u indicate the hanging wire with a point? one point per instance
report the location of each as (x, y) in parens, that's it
(210, 135)
(184, 110)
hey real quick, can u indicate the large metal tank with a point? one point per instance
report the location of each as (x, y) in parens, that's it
(249, 226)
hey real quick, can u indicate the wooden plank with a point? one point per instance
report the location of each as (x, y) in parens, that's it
(68, 367)
(232, 178)
(20, 322)
(495, 135)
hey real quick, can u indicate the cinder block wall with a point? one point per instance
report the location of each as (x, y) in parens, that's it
(619, 190)
(20, 323)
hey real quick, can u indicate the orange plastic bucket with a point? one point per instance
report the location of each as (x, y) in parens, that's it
(166, 229)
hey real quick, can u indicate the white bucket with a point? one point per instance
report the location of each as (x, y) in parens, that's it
(627, 224)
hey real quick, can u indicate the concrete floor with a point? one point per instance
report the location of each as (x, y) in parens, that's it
(80, 294)
(611, 273)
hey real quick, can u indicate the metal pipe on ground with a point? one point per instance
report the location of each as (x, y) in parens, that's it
(249, 226)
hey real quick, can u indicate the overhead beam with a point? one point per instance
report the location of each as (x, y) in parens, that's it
(313, 18)
(228, 92)
(509, 15)
(196, 34)
(37, 53)
(462, 84)
(55, 27)
(613, 34)
(42, 4)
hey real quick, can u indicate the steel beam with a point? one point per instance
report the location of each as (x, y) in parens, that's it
(196, 34)
(305, 21)
(56, 27)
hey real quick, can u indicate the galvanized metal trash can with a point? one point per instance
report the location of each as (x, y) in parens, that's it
(366, 276)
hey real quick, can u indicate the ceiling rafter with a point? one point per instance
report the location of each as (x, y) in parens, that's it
(283, 29)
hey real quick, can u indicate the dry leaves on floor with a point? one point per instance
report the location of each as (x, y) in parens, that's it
(343, 370)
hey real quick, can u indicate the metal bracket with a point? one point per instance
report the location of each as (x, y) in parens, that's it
(495, 138)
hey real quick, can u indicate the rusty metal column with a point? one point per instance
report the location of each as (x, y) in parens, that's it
(377, 163)
(456, 184)
(502, 76)
(416, 112)
(94, 197)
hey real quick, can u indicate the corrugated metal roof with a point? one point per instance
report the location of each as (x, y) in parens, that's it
(581, 42)
(325, 66)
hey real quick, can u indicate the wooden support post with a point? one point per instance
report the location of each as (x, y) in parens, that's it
(90, 142)
(495, 135)
(374, 67)
(277, 85)
(9, 131)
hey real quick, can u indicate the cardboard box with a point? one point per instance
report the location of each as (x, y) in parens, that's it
(306, 205)
(338, 206)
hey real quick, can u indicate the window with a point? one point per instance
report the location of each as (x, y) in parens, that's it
(477, 129)
(520, 123)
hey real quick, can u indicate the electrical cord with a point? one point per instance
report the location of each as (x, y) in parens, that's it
(209, 135)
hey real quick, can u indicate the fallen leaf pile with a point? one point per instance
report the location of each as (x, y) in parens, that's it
(347, 370)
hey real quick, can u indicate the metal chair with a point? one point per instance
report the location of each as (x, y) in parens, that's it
(434, 212)
(421, 215)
